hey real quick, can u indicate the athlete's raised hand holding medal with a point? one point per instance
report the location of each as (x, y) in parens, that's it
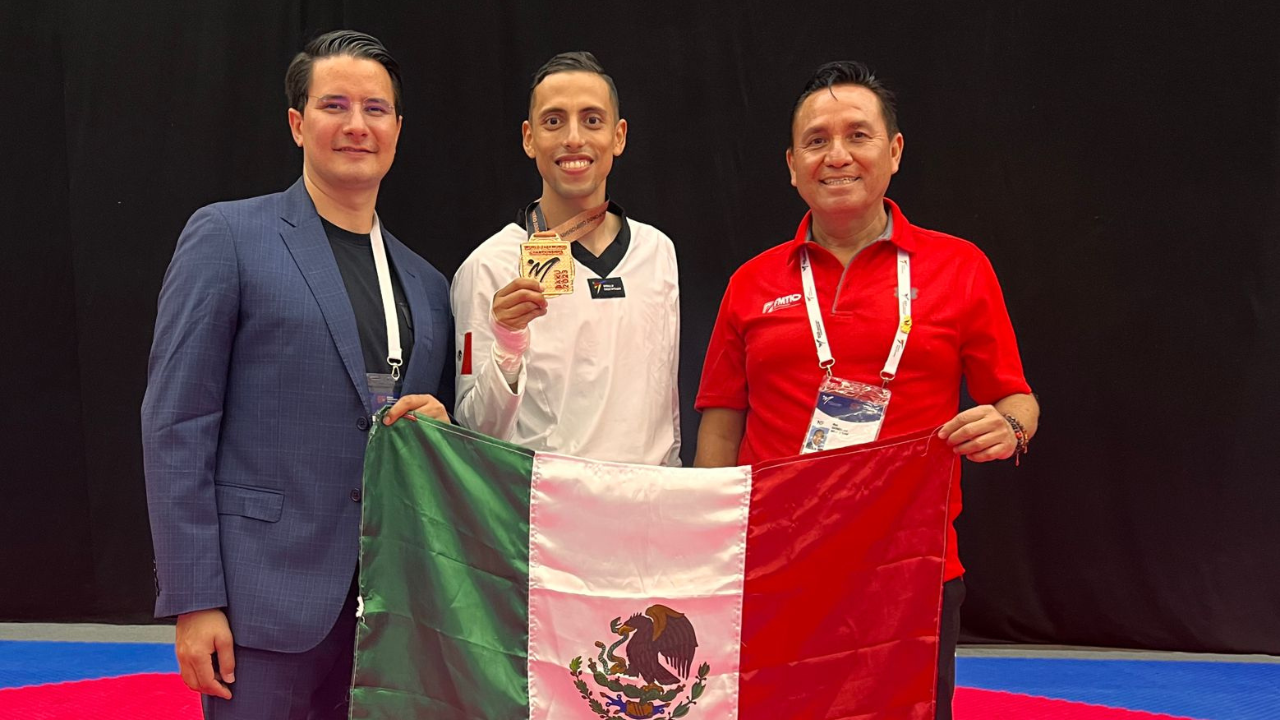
(521, 301)
(546, 267)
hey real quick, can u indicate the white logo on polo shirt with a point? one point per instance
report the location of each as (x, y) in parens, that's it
(781, 303)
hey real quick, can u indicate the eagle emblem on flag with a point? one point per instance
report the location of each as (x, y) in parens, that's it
(650, 681)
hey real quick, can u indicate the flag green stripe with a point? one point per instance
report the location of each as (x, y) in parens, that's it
(450, 640)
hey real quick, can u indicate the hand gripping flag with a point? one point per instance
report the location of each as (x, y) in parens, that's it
(498, 583)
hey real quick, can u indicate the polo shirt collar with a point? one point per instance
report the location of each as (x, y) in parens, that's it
(903, 235)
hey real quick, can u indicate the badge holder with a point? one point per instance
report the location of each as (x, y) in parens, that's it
(847, 412)
(383, 387)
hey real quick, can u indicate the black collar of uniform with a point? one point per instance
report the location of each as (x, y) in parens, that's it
(612, 255)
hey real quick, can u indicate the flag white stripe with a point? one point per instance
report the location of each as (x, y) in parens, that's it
(607, 540)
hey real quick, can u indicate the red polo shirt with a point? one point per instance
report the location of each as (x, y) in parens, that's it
(762, 358)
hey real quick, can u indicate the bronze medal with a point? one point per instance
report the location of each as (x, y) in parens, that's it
(546, 257)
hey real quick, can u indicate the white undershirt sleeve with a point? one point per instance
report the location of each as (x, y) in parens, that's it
(486, 401)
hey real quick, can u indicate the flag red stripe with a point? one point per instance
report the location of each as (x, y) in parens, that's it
(843, 582)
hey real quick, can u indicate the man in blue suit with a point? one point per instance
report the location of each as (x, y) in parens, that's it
(275, 343)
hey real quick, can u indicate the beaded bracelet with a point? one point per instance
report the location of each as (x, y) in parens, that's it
(1020, 435)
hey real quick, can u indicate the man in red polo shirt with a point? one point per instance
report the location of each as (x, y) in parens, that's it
(861, 301)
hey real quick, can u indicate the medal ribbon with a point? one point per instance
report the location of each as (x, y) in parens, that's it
(575, 227)
(825, 359)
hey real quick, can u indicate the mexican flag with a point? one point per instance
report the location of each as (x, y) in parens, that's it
(500, 583)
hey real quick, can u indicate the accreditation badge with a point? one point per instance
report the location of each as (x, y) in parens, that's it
(847, 412)
(546, 257)
(383, 390)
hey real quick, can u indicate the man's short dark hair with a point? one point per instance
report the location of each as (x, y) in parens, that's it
(848, 72)
(339, 43)
(577, 61)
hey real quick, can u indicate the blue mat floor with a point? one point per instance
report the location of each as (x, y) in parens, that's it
(37, 663)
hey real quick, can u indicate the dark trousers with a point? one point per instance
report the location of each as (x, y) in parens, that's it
(311, 685)
(948, 637)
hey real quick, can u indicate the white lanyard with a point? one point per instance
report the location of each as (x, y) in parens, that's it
(825, 359)
(388, 299)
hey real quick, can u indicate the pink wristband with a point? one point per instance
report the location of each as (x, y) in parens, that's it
(508, 346)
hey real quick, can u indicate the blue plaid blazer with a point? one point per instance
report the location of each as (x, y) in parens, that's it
(256, 416)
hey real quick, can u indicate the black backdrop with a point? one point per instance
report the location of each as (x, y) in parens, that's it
(1119, 168)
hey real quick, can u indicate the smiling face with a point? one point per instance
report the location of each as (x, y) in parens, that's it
(347, 143)
(841, 155)
(573, 134)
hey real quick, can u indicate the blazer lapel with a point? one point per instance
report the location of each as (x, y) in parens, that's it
(304, 236)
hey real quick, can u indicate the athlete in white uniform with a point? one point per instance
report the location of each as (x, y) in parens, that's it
(592, 373)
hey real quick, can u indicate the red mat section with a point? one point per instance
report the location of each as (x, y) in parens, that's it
(164, 697)
(973, 704)
(132, 697)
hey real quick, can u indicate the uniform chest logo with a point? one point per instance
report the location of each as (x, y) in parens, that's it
(781, 303)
